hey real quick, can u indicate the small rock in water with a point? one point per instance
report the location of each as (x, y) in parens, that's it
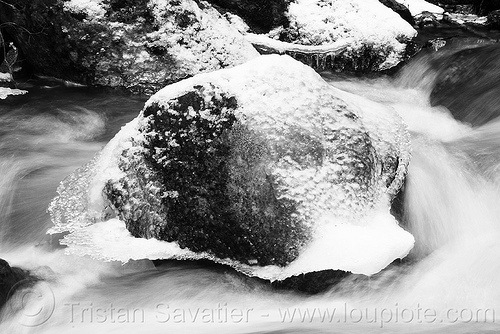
(12, 279)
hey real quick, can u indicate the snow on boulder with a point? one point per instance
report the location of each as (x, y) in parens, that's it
(264, 167)
(375, 36)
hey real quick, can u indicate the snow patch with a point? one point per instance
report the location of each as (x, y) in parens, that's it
(94, 9)
(466, 18)
(4, 92)
(5, 77)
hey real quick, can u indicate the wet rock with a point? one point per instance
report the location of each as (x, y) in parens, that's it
(11, 279)
(140, 45)
(261, 15)
(494, 19)
(312, 283)
(426, 19)
(464, 83)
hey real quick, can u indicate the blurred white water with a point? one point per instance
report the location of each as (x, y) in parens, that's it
(451, 207)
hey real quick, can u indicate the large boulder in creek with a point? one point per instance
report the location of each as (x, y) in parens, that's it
(264, 167)
(465, 84)
(141, 45)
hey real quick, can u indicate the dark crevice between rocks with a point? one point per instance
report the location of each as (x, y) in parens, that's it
(129, 11)
(398, 206)
(400, 9)
(260, 15)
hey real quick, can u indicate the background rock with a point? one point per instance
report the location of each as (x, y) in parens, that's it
(494, 19)
(376, 36)
(460, 84)
(140, 45)
(481, 7)
(11, 279)
(261, 15)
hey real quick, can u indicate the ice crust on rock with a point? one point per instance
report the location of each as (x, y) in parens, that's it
(342, 207)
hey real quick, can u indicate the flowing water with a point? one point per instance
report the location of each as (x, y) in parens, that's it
(451, 284)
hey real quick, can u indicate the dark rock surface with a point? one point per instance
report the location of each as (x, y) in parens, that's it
(400, 9)
(11, 279)
(464, 81)
(261, 15)
(494, 19)
(312, 283)
(481, 7)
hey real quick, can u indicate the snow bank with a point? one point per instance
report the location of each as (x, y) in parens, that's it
(347, 216)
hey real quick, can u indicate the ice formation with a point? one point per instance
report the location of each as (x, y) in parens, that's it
(337, 160)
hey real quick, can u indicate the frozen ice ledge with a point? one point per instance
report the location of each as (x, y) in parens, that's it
(264, 167)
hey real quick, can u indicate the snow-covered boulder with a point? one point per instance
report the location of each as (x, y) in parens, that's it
(140, 45)
(375, 36)
(264, 167)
